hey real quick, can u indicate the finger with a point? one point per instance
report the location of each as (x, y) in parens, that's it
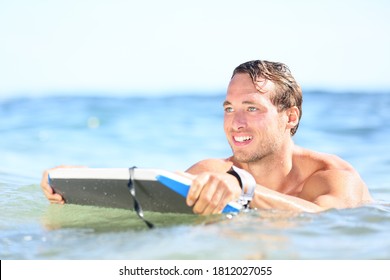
(227, 190)
(210, 197)
(196, 188)
(56, 198)
(48, 190)
(53, 197)
(224, 201)
(45, 183)
(216, 204)
(222, 196)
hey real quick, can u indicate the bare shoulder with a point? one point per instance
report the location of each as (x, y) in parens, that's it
(331, 181)
(210, 165)
(321, 161)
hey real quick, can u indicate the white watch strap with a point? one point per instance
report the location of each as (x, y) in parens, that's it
(248, 185)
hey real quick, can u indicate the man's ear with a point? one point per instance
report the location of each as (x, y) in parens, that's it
(293, 117)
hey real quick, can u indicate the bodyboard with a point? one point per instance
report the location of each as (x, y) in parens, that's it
(109, 187)
(156, 190)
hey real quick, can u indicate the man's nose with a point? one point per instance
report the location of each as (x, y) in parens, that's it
(239, 121)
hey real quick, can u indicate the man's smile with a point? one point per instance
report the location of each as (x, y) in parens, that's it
(242, 139)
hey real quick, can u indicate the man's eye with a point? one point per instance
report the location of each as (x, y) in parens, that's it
(252, 109)
(228, 109)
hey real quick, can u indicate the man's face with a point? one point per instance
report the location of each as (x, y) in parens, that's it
(252, 124)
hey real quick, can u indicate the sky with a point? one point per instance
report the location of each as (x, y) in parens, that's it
(154, 47)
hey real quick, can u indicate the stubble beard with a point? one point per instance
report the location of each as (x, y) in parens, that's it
(247, 158)
(260, 153)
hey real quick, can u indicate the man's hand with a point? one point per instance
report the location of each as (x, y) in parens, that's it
(47, 190)
(211, 192)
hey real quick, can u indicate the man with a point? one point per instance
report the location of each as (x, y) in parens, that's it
(267, 170)
(262, 113)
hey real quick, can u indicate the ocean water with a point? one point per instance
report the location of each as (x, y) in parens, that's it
(173, 132)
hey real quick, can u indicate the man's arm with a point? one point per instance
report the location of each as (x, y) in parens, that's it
(265, 198)
(212, 181)
(321, 191)
(336, 188)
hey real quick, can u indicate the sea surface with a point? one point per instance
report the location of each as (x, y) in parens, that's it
(174, 132)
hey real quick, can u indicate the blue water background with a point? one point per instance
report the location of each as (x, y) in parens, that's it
(173, 132)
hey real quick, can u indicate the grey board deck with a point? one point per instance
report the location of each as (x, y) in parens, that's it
(108, 187)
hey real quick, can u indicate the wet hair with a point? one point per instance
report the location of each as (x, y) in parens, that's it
(287, 91)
